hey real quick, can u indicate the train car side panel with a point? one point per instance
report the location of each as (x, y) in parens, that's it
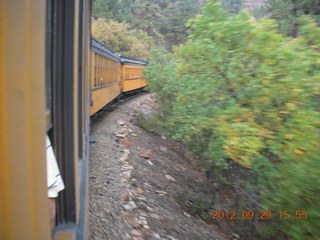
(103, 96)
(132, 78)
(23, 197)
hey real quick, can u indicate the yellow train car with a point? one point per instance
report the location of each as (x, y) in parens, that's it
(105, 76)
(112, 75)
(44, 90)
(131, 74)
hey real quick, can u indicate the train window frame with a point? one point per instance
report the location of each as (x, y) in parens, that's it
(62, 104)
(48, 71)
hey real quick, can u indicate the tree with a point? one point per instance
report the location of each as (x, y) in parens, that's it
(175, 15)
(233, 6)
(122, 39)
(146, 15)
(106, 9)
(164, 20)
(287, 13)
(117, 10)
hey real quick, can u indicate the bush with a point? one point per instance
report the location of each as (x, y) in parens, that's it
(240, 92)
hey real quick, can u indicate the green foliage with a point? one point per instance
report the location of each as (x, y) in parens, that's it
(122, 39)
(116, 10)
(149, 123)
(195, 204)
(175, 15)
(162, 61)
(238, 91)
(164, 20)
(287, 13)
(106, 9)
(146, 16)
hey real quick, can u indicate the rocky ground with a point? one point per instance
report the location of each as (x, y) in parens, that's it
(136, 178)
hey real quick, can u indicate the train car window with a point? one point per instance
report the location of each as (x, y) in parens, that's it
(106, 70)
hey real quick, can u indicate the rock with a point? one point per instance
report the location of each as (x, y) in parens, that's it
(127, 236)
(127, 207)
(127, 214)
(127, 174)
(139, 191)
(120, 135)
(126, 151)
(156, 235)
(125, 197)
(171, 238)
(124, 131)
(143, 215)
(136, 233)
(155, 216)
(163, 137)
(147, 185)
(152, 104)
(146, 226)
(142, 198)
(124, 157)
(143, 207)
(163, 149)
(145, 154)
(186, 214)
(131, 219)
(170, 178)
(127, 167)
(121, 122)
(161, 193)
(235, 236)
(126, 143)
(132, 205)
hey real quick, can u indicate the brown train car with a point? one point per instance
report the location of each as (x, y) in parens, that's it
(131, 74)
(44, 90)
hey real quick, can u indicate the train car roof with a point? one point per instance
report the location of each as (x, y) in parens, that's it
(133, 61)
(101, 49)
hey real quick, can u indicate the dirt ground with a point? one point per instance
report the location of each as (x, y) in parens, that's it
(135, 178)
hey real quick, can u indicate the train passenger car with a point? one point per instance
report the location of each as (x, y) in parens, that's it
(105, 76)
(44, 90)
(131, 74)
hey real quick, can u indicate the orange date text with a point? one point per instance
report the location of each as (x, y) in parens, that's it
(262, 215)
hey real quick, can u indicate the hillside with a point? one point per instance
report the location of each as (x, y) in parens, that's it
(254, 4)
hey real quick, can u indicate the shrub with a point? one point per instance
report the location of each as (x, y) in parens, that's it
(240, 92)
